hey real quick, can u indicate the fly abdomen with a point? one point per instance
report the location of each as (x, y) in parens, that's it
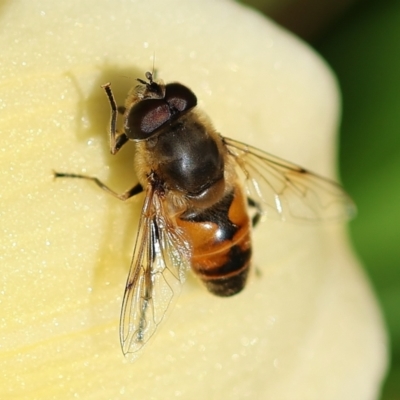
(221, 246)
(227, 274)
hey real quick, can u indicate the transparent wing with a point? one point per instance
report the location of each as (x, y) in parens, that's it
(160, 259)
(286, 191)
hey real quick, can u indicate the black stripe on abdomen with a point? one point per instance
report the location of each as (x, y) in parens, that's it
(230, 278)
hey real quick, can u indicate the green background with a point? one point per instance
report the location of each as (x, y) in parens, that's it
(363, 49)
(361, 42)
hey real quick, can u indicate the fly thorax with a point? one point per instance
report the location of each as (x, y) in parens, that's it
(188, 158)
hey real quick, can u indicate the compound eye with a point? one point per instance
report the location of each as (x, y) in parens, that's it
(179, 97)
(145, 118)
(148, 115)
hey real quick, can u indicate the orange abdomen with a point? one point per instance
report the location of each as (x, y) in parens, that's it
(221, 243)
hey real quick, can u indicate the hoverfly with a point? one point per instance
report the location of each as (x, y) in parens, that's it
(195, 209)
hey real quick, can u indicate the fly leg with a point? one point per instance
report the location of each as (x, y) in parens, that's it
(117, 139)
(258, 211)
(254, 222)
(138, 188)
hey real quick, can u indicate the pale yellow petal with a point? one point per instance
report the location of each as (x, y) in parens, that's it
(306, 326)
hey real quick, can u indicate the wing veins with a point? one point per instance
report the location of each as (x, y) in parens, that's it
(154, 278)
(290, 190)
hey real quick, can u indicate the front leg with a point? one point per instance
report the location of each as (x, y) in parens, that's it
(117, 140)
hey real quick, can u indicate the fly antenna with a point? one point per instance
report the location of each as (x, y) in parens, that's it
(149, 77)
(154, 72)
